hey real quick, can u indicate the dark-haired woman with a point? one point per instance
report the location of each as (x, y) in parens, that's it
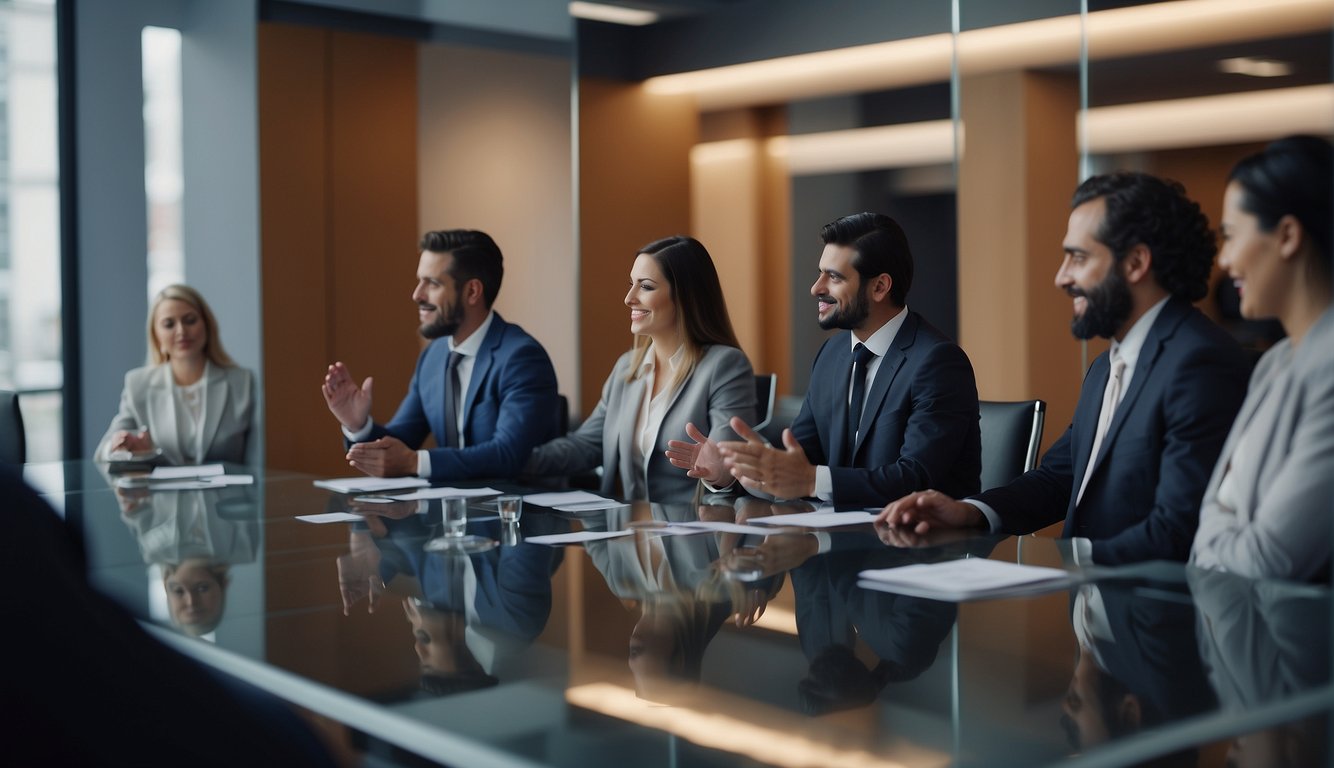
(685, 368)
(1266, 512)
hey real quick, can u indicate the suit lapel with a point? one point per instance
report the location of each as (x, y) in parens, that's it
(215, 402)
(480, 369)
(895, 357)
(1086, 420)
(842, 359)
(162, 410)
(625, 432)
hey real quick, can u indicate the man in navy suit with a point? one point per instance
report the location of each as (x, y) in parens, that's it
(892, 403)
(483, 387)
(1128, 474)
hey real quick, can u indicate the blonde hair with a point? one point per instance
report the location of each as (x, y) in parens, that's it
(213, 350)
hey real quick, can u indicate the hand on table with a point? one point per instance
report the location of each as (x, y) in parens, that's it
(350, 404)
(386, 457)
(924, 511)
(134, 442)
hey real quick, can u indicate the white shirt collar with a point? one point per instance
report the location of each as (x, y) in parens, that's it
(884, 336)
(1129, 347)
(474, 341)
(674, 362)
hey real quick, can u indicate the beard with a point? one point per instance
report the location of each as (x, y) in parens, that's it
(1106, 307)
(445, 323)
(846, 318)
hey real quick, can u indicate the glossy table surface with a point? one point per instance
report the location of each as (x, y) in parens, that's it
(711, 648)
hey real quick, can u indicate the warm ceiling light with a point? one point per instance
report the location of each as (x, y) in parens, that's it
(1232, 118)
(612, 14)
(1253, 67)
(864, 149)
(1115, 33)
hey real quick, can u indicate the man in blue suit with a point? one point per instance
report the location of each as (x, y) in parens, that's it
(483, 387)
(1128, 474)
(892, 403)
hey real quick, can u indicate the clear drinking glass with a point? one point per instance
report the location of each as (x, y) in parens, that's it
(455, 516)
(511, 508)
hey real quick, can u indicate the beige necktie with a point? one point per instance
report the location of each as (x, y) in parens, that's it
(1111, 397)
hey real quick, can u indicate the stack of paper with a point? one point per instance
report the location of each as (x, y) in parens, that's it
(968, 579)
(444, 493)
(577, 537)
(194, 478)
(825, 517)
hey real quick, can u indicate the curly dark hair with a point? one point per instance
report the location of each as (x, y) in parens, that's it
(1144, 209)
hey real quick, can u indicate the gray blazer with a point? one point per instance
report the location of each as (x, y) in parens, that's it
(721, 386)
(1284, 475)
(230, 431)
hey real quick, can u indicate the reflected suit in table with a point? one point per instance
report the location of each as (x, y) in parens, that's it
(919, 426)
(1143, 498)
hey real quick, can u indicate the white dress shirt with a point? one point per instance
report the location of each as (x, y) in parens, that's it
(468, 350)
(652, 410)
(1127, 349)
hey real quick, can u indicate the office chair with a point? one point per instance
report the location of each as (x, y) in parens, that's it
(766, 390)
(1011, 433)
(13, 444)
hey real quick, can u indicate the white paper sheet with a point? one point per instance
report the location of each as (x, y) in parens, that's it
(445, 493)
(551, 499)
(330, 517)
(703, 525)
(181, 473)
(577, 537)
(371, 484)
(824, 517)
(589, 506)
(203, 483)
(968, 579)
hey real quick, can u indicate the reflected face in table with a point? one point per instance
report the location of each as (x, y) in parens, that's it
(196, 595)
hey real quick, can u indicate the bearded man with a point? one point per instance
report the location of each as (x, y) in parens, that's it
(483, 387)
(892, 404)
(1128, 475)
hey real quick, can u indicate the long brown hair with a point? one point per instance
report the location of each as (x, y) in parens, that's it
(213, 350)
(701, 310)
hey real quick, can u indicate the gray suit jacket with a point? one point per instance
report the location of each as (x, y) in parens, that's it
(230, 431)
(1284, 474)
(721, 386)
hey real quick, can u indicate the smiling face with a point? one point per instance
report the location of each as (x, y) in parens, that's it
(439, 299)
(1252, 258)
(1090, 274)
(842, 301)
(179, 330)
(652, 308)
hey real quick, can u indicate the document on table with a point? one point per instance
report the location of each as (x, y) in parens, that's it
(572, 501)
(203, 483)
(330, 517)
(182, 473)
(824, 517)
(444, 493)
(704, 525)
(578, 537)
(972, 578)
(371, 484)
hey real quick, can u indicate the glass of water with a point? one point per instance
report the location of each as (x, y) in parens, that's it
(511, 508)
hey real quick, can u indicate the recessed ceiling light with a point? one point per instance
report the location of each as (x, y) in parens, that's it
(613, 14)
(1249, 65)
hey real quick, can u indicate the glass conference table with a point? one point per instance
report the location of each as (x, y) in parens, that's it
(661, 647)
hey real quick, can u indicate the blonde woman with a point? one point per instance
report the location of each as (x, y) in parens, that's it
(191, 401)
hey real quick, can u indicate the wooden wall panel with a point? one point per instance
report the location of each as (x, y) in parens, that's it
(338, 185)
(634, 187)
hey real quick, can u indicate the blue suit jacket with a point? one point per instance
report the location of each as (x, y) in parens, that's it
(1143, 499)
(919, 428)
(511, 406)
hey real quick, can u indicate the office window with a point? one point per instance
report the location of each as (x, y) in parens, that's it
(31, 357)
(163, 174)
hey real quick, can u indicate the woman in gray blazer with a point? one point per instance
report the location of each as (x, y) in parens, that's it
(1266, 512)
(191, 401)
(685, 369)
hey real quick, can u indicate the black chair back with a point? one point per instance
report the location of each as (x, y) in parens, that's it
(1011, 433)
(766, 390)
(13, 442)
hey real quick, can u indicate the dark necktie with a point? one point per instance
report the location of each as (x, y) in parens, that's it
(861, 357)
(452, 400)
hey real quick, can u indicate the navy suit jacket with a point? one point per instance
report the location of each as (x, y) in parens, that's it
(919, 427)
(510, 406)
(1143, 499)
